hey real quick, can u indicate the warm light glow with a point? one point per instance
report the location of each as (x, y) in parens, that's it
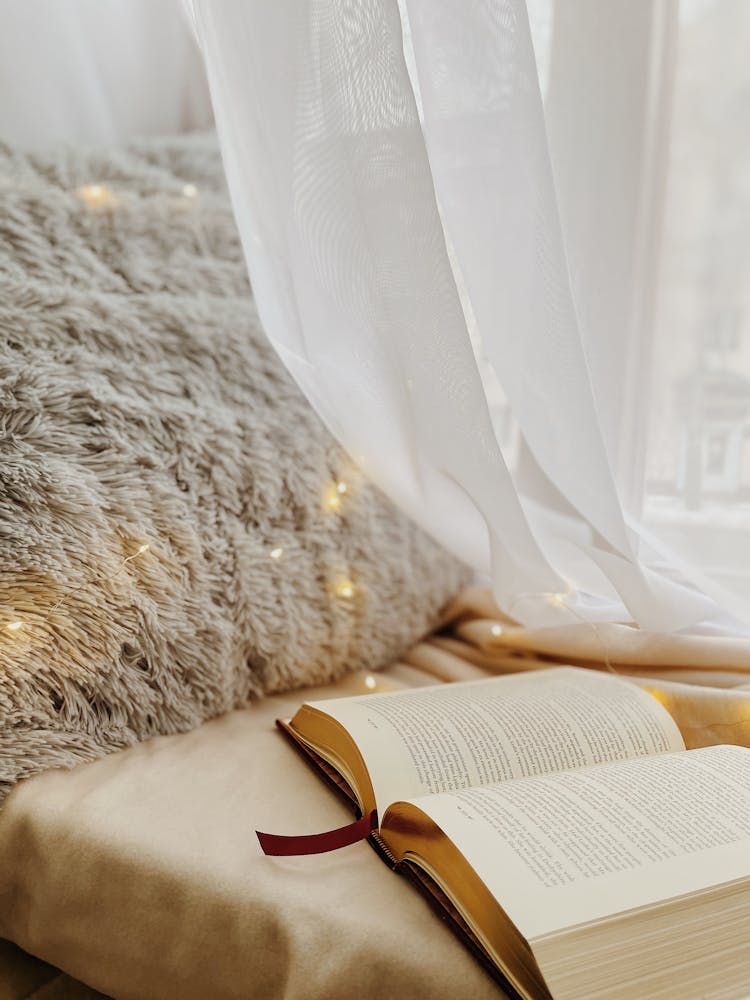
(15, 626)
(558, 600)
(276, 553)
(333, 499)
(345, 589)
(497, 630)
(370, 682)
(95, 195)
(190, 191)
(658, 695)
(341, 487)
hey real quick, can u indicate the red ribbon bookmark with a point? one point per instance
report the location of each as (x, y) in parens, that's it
(318, 843)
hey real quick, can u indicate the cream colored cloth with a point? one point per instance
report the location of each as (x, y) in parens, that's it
(141, 875)
(475, 618)
(704, 681)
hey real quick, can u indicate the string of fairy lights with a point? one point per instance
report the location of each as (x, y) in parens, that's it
(342, 586)
(19, 623)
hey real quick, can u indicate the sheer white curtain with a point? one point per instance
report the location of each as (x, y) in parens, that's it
(466, 277)
(97, 72)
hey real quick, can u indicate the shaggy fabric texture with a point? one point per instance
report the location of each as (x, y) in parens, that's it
(141, 404)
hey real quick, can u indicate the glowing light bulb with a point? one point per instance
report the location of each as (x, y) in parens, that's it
(95, 195)
(370, 682)
(341, 487)
(497, 630)
(333, 499)
(190, 190)
(144, 548)
(345, 589)
(557, 600)
(276, 553)
(14, 626)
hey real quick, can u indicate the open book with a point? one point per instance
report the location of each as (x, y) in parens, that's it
(559, 822)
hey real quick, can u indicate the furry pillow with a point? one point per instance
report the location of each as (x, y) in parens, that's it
(141, 405)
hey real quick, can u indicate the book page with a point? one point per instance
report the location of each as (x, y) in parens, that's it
(451, 736)
(565, 849)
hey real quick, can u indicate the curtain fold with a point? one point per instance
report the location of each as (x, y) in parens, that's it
(416, 267)
(97, 72)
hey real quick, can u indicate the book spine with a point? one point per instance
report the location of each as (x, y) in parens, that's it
(381, 847)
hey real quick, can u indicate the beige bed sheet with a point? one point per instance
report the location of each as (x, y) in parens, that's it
(140, 874)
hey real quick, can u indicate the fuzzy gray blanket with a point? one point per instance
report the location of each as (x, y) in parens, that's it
(141, 405)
